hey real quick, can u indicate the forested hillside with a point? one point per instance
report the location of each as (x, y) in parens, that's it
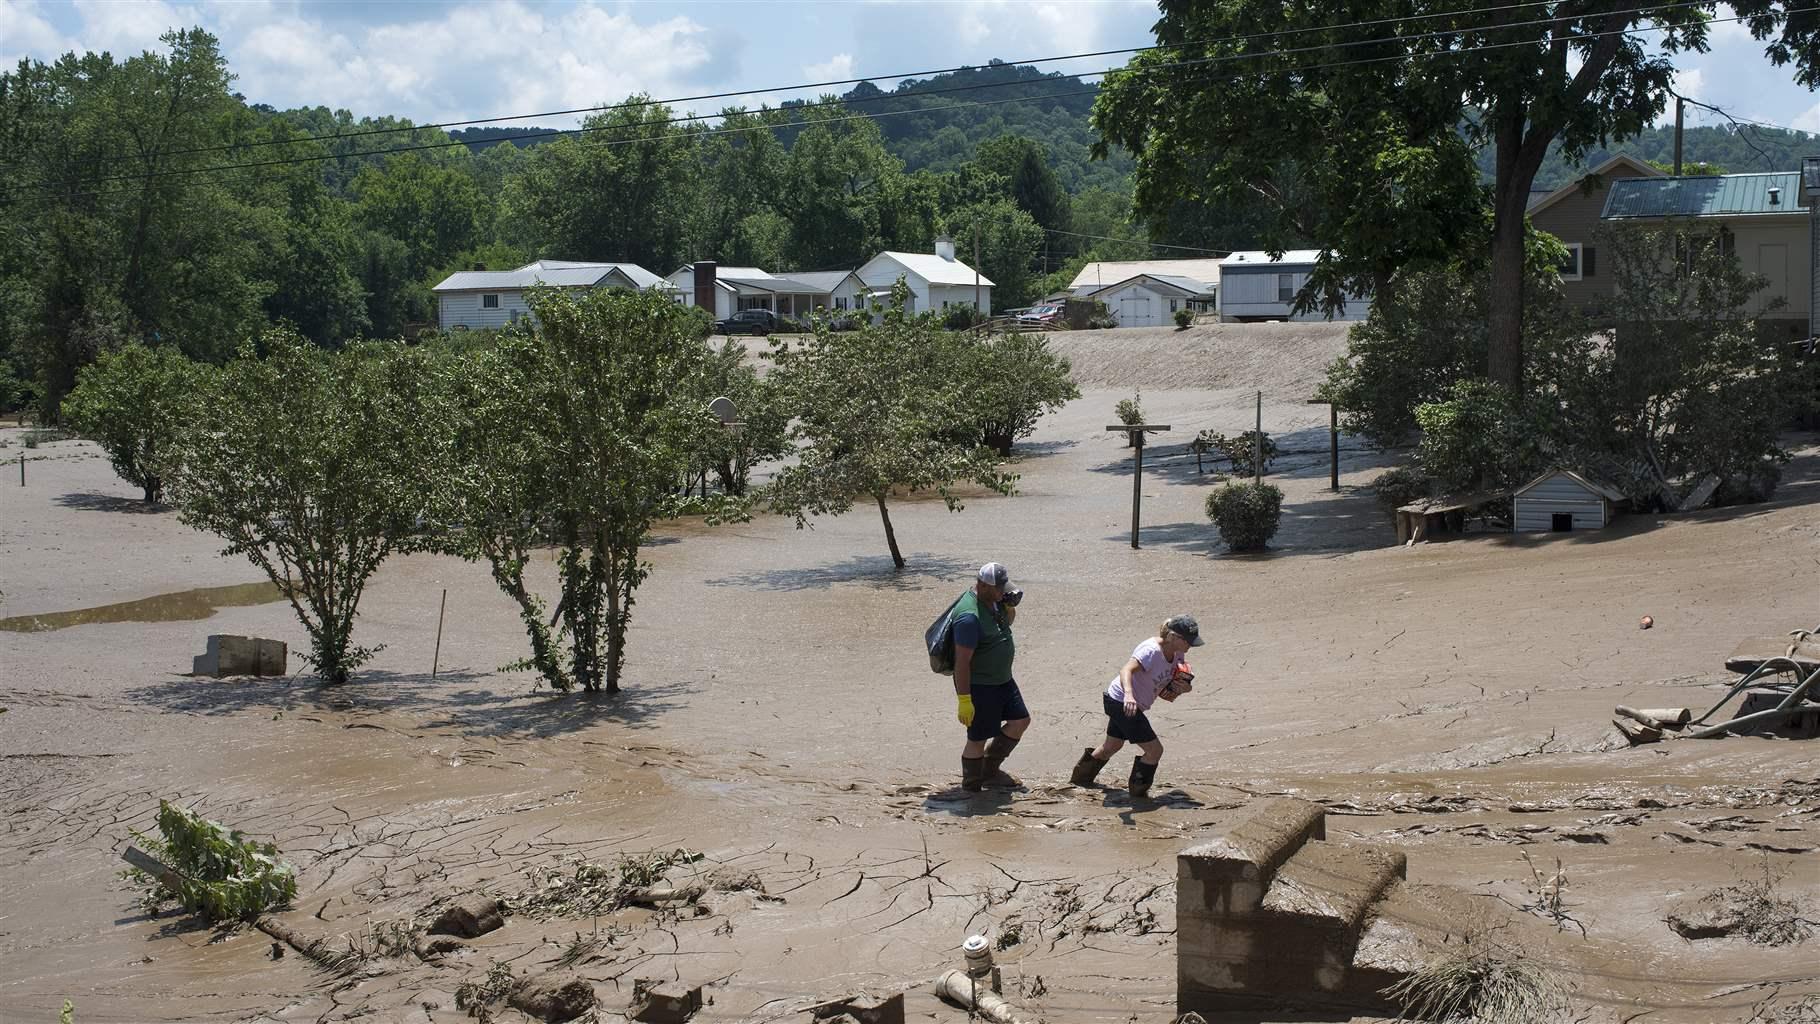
(1731, 150)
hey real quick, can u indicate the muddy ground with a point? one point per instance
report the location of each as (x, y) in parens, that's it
(1454, 698)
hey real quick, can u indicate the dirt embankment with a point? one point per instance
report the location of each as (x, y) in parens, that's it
(1282, 359)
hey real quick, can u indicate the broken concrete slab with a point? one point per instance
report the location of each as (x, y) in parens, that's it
(227, 655)
(436, 945)
(470, 916)
(661, 1001)
(862, 1009)
(557, 996)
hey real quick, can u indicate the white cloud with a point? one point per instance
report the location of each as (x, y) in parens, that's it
(128, 29)
(26, 31)
(838, 68)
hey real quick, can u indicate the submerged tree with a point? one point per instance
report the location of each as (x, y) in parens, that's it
(578, 434)
(317, 466)
(876, 410)
(136, 402)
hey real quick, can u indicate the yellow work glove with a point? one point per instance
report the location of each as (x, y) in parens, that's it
(965, 712)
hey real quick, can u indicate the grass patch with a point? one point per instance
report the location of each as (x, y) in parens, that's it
(1478, 980)
(1752, 908)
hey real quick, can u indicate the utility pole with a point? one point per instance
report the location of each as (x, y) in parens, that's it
(1257, 440)
(976, 270)
(1680, 109)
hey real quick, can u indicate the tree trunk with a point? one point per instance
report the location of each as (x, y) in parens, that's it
(897, 558)
(154, 488)
(1504, 355)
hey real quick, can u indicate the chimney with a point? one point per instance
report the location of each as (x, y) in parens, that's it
(944, 247)
(480, 266)
(704, 285)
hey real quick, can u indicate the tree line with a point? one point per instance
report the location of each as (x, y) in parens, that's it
(145, 200)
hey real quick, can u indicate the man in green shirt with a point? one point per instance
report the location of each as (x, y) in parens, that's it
(990, 705)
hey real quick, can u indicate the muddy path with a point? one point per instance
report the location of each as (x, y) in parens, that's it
(1452, 698)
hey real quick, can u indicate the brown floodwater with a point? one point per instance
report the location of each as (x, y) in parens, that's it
(182, 606)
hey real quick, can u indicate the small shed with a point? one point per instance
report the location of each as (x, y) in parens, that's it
(1561, 500)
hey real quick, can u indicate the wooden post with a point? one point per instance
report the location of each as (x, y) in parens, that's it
(1137, 484)
(1136, 432)
(1257, 452)
(436, 659)
(1333, 447)
(22, 469)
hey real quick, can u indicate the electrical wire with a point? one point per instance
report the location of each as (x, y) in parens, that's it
(142, 177)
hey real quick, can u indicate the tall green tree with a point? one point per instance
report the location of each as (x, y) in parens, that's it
(578, 435)
(1362, 138)
(318, 469)
(136, 402)
(1033, 185)
(1007, 240)
(876, 410)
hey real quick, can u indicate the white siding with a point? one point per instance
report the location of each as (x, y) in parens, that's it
(1136, 305)
(1534, 509)
(464, 309)
(955, 295)
(1253, 293)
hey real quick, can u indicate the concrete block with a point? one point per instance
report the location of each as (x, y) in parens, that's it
(1230, 874)
(240, 656)
(1329, 887)
(661, 1001)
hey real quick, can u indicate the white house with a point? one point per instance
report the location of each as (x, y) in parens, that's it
(473, 299)
(1104, 274)
(1151, 300)
(1253, 286)
(937, 280)
(737, 288)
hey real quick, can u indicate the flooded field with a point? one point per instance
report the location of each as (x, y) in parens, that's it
(1452, 698)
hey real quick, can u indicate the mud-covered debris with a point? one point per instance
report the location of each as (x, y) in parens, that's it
(436, 945)
(470, 916)
(556, 996)
(661, 1001)
(1752, 910)
(862, 1009)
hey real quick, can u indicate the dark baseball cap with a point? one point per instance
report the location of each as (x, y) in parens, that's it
(1185, 627)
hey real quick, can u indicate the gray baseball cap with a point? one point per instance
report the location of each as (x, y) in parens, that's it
(995, 575)
(1185, 627)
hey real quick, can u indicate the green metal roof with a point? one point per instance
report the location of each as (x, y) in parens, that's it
(1721, 195)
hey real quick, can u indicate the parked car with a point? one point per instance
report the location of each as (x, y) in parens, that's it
(752, 321)
(1042, 315)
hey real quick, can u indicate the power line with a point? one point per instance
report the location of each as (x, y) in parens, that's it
(901, 76)
(1134, 241)
(554, 133)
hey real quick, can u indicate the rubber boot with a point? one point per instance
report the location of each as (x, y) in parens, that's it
(1086, 769)
(973, 771)
(999, 748)
(1142, 775)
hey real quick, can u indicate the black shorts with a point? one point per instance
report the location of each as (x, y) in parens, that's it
(993, 706)
(1120, 726)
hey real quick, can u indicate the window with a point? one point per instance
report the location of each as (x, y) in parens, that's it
(489, 302)
(1570, 267)
(1172, 305)
(840, 302)
(1285, 287)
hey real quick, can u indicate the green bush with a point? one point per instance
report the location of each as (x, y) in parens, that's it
(960, 318)
(1247, 514)
(1129, 410)
(1750, 486)
(1184, 317)
(1399, 487)
(701, 319)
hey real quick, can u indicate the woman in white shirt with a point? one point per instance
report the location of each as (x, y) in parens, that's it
(1155, 669)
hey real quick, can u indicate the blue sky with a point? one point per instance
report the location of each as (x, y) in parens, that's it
(433, 60)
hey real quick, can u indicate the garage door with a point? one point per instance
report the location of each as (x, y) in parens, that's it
(1135, 311)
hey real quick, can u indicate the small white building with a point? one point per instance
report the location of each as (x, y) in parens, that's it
(834, 290)
(937, 280)
(1253, 286)
(475, 299)
(737, 288)
(1106, 273)
(1151, 300)
(1561, 500)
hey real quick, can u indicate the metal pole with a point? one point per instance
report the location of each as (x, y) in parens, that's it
(436, 659)
(1257, 451)
(1680, 108)
(1137, 484)
(1333, 446)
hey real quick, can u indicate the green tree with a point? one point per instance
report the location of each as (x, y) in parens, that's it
(1371, 156)
(578, 434)
(1007, 242)
(838, 186)
(1033, 185)
(136, 402)
(435, 210)
(875, 411)
(764, 431)
(1011, 380)
(318, 469)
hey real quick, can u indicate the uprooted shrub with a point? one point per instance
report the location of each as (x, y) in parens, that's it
(221, 874)
(1246, 514)
(1240, 450)
(1478, 980)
